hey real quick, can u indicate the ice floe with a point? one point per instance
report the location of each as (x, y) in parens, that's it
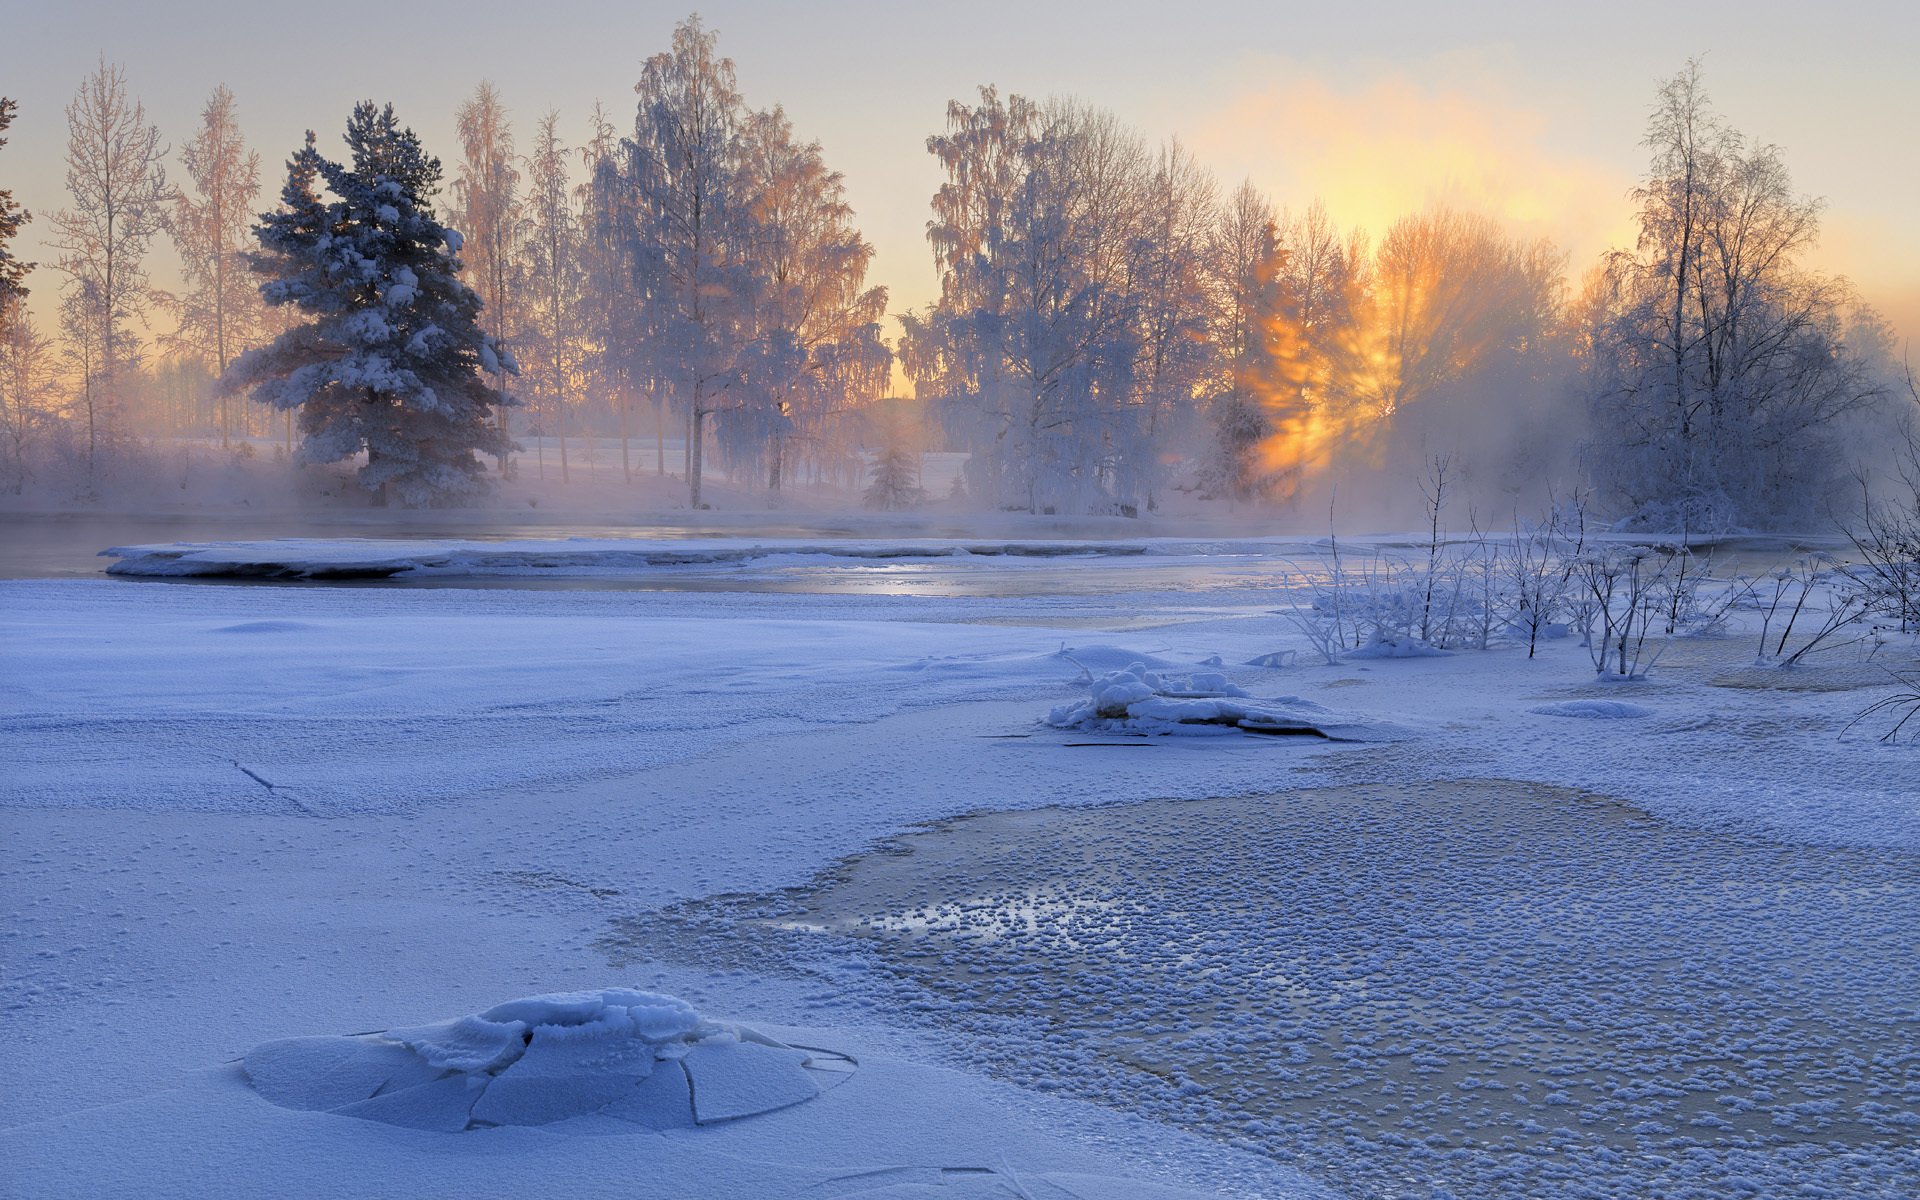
(636, 1057)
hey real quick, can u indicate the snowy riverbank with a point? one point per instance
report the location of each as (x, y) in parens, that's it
(240, 813)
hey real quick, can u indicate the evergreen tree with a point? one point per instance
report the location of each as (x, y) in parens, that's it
(12, 217)
(391, 361)
(894, 484)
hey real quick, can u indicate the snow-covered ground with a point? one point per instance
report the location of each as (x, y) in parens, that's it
(243, 813)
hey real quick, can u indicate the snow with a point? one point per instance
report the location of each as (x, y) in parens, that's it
(247, 823)
(325, 558)
(1598, 710)
(1137, 700)
(622, 1054)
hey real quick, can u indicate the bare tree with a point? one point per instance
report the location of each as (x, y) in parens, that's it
(487, 188)
(1719, 368)
(26, 375)
(1174, 279)
(684, 219)
(1448, 292)
(118, 183)
(221, 312)
(1247, 262)
(817, 345)
(555, 280)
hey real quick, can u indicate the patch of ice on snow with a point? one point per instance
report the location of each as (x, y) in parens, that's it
(632, 1056)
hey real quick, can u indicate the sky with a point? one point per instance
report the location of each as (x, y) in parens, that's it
(1532, 112)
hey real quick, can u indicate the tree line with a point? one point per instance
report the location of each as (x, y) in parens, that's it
(1112, 325)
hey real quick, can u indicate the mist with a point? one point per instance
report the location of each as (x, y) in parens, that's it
(1122, 340)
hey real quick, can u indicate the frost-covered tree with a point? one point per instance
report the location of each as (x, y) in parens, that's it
(687, 232)
(220, 313)
(26, 378)
(555, 280)
(894, 482)
(117, 180)
(1175, 278)
(610, 312)
(1448, 293)
(816, 345)
(1719, 367)
(390, 360)
(13, 272)
(742, 279)
(487, 191)
(1032, 354)
(1246, 260)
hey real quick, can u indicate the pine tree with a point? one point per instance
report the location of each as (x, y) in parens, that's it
(12, 217)
(391, 361)
(894, 485)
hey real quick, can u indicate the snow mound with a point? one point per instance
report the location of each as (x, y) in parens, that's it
(1602, 710)
(1109, 658)
(628, 1056)
(1139, 700)
(266, 627)
(1396, 648)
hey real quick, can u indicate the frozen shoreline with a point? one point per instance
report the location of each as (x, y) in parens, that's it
(469, 786)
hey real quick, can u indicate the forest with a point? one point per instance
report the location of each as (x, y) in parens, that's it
(684, 291)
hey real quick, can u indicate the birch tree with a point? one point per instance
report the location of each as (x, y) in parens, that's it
(220, 313)
(486, 190)
(817, 344)
(117, 181)
(554, 283)
(688, 232)
(1719, 366)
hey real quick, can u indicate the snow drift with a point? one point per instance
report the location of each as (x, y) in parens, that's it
(1140, 700)
(635, 1057)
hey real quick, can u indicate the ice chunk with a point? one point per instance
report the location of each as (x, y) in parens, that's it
(542, 1060)
(441, 1105)
(325, 1072)
(466, 1043)
(738, 1079)
(663, 1100)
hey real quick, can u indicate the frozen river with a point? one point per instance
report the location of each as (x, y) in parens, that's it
(1494, 987)
(1500, 952)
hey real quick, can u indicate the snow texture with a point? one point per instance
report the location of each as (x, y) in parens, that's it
(1594, 710)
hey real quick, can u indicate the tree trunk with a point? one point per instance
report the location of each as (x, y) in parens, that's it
(659, 433)
(694, 439)
(620, 399)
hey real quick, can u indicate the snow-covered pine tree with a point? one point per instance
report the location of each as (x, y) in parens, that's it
(12, 217)
(391, 361)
